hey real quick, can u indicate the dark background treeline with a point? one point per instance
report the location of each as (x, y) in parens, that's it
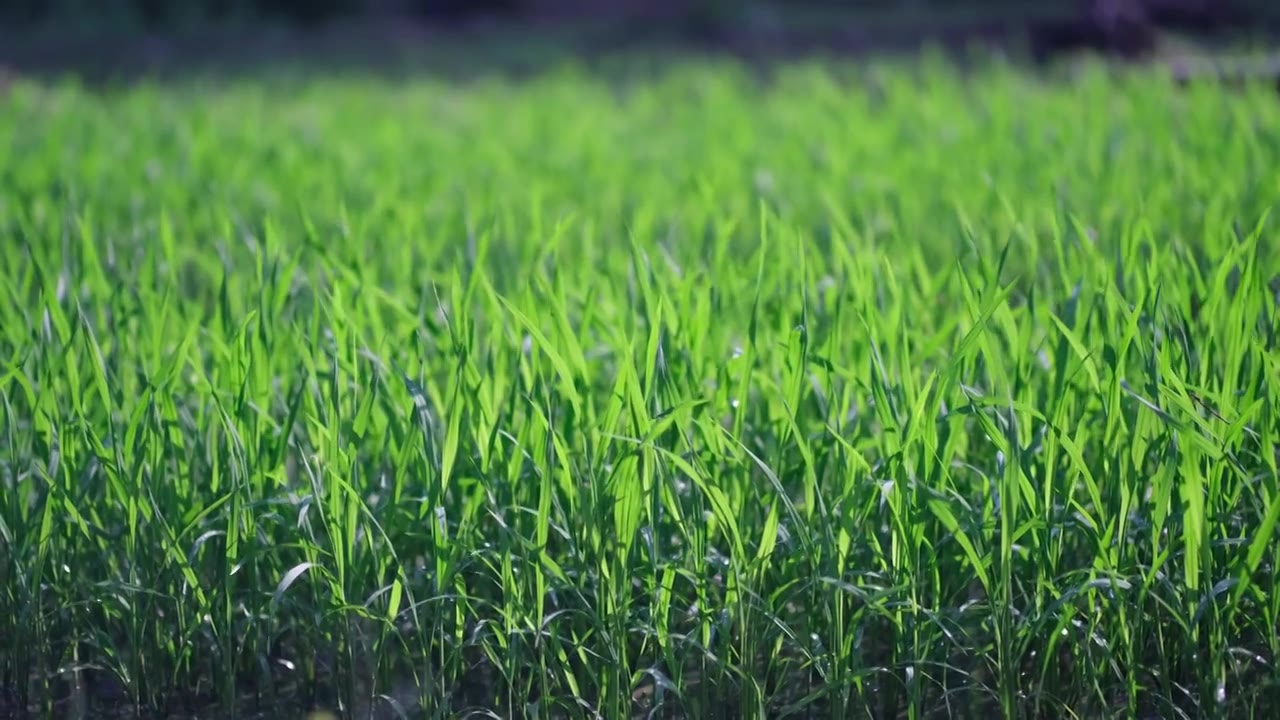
(164, 12)
(311, 11)
(1048, 28)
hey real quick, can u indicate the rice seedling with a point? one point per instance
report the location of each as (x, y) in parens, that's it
(876, 391)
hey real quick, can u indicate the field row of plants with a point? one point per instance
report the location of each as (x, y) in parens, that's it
(885, 390)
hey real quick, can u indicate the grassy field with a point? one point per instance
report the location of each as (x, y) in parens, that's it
(850, 391)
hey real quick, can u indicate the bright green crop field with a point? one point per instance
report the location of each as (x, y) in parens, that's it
(846, 390)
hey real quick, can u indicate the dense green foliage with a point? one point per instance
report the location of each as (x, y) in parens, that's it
(851, 391)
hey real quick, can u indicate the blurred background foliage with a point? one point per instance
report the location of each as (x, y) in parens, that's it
(118, 38)
(159, 13)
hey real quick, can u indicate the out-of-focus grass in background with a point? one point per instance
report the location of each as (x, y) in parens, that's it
(863, 389)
